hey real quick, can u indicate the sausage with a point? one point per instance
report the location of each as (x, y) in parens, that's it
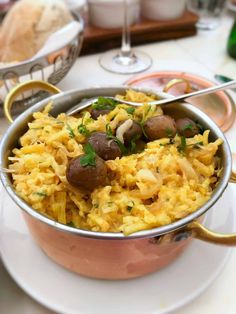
(106, 148)
(160, 127)
(139, 146)
(87, 177)
(95, 113)
(135, 131)
(187, 127)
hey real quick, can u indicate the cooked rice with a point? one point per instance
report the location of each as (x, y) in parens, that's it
(147, 190)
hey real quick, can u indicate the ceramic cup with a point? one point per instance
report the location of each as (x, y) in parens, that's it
(162, 9)
(110, 13)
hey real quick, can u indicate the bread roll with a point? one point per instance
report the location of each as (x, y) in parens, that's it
(28, 25)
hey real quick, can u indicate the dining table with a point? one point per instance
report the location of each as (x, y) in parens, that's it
(204, 54)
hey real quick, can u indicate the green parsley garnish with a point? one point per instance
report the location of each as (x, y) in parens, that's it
(182, 146)
(130, 207)
(169, 132)
(89, 158)
(41, 194)
(71, 224)
(104, 104)
(196, 145)
(82, 129)
(188, 126)
(130, 110)
(171, 141)
(145, 115)
(71, 132)
(133, 143)
(114, 138)
(109, 131)
(142, 126)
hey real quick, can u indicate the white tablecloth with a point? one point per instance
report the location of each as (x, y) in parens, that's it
(204, 54)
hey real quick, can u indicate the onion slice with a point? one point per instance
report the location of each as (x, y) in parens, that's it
(122, 129)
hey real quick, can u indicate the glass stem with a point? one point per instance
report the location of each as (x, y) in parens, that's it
(126, 44)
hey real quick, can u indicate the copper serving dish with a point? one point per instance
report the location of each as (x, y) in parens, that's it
(112, 255)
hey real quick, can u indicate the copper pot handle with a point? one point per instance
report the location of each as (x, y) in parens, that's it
(177, 81)
(196, 230)
(23, 87)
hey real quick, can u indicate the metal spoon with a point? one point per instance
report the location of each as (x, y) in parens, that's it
(88, 102)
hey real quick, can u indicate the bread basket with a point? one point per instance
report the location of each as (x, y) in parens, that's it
(50, 67)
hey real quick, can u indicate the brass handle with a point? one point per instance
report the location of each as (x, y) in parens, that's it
(197, 231)
(233, 177)
(233, 174)
(23, 87)
(177, 81)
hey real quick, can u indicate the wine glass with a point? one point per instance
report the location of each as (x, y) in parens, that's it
(125, 60)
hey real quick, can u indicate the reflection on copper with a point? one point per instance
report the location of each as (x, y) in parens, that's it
(105, 259)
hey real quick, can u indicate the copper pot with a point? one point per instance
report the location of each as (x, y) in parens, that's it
(112, 255)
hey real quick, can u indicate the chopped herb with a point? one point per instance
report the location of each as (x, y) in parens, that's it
(88, 159)
(36, 128)
(71, 132)
(71, 224)
(82, 129)
(182, 146)
(109, 131)
(196, 145)
(148, 109)
(145, 114)
(114, 138)
(130, 110)
(109, 203)
(171, 141)
(104, 104)
(59, 122)
(112, 118)
(142, 127)
(41, 194)
(96, 205)
(188, 126)
(169, 132)
(132, 145)
(130, 207)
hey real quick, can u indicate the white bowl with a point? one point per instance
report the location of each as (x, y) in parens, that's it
(78, 6)
(110, 13)
(162, 9)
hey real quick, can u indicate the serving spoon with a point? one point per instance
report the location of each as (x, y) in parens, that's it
(88, 102)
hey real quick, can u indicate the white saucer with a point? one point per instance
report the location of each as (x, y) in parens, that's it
(161, 292)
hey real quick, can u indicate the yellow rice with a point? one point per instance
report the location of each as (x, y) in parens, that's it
(147, 190)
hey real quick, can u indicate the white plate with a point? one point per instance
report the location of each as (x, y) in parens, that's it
(66, 292)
